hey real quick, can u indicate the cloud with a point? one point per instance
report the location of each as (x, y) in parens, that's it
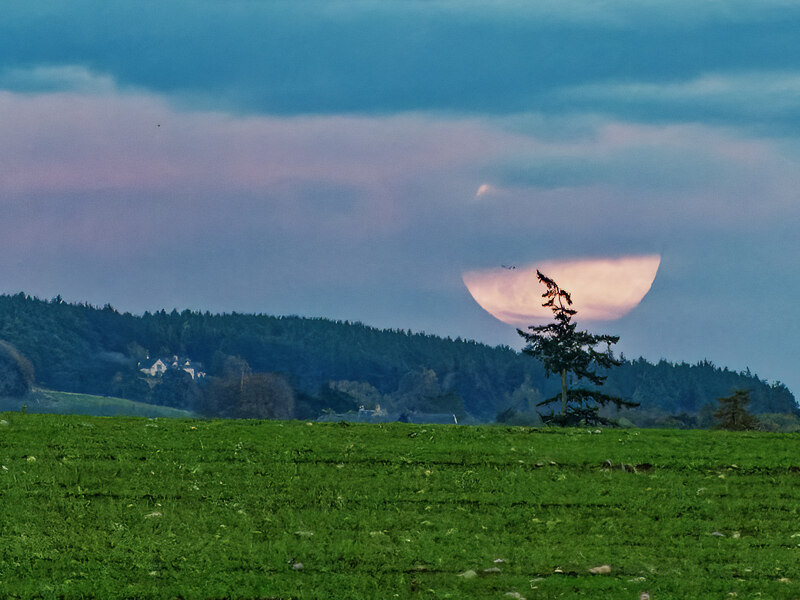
(70, 141)
(358, 57)
(56, 78)
(484, 189)
(618, 14)
(641, 157)
(738, 98)
(360, 177)
(122, 175)
(672, 175)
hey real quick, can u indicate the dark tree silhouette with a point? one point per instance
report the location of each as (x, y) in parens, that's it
(16, 372)
(176, 389)
(265, 396)
(249, 396)
(732, 412)
(564, 350)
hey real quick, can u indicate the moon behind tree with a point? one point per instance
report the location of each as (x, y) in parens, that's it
(602, 289)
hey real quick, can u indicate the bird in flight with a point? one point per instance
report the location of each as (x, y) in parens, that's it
(509, 267)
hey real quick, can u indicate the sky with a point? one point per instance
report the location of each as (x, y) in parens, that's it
(353, 160)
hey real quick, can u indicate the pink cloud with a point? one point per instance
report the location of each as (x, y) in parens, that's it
(69, 141)
(147, 165)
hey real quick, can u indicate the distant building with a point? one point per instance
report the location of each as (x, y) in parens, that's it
(192, 368)
(153, 367)
(157, 367)
(367, 413)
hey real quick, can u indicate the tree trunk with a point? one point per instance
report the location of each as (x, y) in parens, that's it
(563, 391)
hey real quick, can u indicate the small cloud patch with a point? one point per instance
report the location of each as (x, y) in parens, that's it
(484, 189)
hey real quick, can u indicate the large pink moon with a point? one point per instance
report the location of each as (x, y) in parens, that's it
(602, 289)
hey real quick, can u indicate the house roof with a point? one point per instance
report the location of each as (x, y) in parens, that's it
(148, 363)
(180, 363)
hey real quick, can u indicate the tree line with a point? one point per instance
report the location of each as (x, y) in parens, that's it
(304, 366)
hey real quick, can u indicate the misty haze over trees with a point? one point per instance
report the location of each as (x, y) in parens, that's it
(259, 366)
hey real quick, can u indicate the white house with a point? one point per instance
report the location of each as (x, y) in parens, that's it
(159, 366)
(156, 367)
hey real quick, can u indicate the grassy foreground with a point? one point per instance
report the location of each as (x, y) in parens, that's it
(137, 508)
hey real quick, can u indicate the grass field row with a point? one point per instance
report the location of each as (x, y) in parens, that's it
(141, 508)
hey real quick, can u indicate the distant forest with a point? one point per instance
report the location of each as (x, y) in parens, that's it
(292, 367)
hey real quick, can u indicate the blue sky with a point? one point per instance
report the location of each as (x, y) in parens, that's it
(324, 158)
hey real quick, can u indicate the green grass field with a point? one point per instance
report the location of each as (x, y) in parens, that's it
(41, 400)
(138, 508)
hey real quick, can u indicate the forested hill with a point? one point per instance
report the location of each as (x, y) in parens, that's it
(327, 364)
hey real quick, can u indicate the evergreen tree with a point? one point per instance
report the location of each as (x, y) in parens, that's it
(565, 351)
(732, 412)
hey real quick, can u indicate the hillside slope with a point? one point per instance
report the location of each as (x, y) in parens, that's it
(46, 401)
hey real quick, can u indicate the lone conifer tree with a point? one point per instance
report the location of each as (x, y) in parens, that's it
(564, 350)
(732, 413)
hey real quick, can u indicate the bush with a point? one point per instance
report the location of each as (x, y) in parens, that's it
(249, 396)
(779, 422)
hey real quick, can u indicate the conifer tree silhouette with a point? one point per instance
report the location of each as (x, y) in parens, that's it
(566, 351)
